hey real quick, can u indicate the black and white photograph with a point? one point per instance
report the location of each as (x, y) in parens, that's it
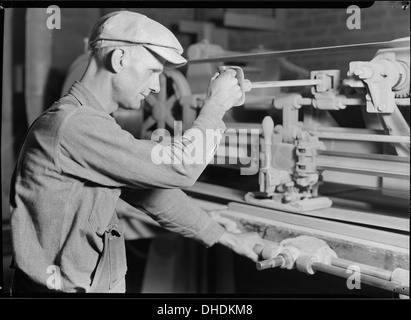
(244, 151)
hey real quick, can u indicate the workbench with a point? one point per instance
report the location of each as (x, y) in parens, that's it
(362, 232)
(359, 227)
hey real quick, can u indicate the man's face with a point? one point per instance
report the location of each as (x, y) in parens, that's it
(139, 77)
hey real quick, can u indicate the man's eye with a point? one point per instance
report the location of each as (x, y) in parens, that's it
(152, 71)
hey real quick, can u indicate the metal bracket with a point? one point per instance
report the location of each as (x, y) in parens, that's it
(325, 93)
(381, 75)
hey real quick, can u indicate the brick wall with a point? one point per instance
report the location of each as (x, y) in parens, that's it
(308, 28)
(300, 28)
(327, 27)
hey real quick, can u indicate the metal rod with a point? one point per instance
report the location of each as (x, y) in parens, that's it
(360, 137)
(268, 100)
(353, 102)
(403, 102)
(286, 83)
(358, 102)
(370, 280)
(305, 101)
(371, 156)
(365, 269)
(271, 263)
(347, 130)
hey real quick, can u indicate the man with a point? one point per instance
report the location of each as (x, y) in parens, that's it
(76, 162)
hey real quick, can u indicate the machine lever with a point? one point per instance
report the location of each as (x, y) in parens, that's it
(246, 85)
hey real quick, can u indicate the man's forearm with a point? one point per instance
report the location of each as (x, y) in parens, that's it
(175, 211)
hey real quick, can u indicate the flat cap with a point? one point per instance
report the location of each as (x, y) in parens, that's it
(131, 28)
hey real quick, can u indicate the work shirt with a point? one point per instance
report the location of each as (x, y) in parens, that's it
(74, 164)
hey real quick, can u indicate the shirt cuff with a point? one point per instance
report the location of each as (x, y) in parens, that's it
(211, 117)
(211, 233)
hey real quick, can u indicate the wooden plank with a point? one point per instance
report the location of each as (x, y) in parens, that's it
(368, 215)
(373, 253)
(361, 217)
(376, 254)
(334, 227)
(383, 168)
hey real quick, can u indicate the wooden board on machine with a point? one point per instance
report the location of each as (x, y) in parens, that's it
(355, 212)
(378, 248)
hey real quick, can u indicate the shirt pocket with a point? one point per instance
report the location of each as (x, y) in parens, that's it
(116, 251)
(112, 265)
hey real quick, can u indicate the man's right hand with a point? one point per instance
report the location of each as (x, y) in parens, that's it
(244, 244)
(224, 89)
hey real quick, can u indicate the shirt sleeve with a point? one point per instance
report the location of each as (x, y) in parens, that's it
(92, 146)
(175, 211)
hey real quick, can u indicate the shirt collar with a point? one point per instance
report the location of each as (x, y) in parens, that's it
(84, 96)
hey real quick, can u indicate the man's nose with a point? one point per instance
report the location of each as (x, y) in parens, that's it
(155, 85)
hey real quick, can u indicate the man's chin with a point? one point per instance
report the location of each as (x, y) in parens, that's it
(136, 106)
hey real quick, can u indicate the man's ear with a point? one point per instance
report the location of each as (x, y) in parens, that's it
(115, 60)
